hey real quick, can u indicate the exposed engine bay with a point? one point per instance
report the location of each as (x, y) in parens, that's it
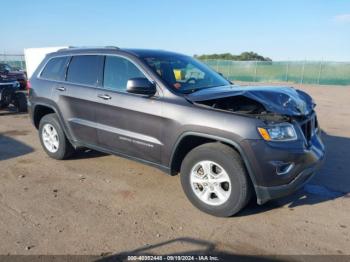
(238, 104)
(267, 103)
(245, 106)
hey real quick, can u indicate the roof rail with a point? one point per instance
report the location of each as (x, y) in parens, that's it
(66, 48)
(87, 47)
(112, 46)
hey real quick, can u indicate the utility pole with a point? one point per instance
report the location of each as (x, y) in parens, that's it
(287, 71)
(255, 70)
(302, 72)
(319, 72)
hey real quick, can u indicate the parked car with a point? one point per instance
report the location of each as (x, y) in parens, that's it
(9, 94)
(168, 110)
(10, 72)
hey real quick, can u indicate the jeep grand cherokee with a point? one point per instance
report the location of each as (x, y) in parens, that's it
(165, 109)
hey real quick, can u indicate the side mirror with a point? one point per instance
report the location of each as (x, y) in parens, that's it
(141, 86)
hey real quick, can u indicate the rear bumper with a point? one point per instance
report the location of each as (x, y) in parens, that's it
(30, 111)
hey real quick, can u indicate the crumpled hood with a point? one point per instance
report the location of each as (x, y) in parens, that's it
(280, 100)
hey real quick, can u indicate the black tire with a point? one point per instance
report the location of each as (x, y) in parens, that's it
(6, 97)
(232, 163)
(65, 148)
(20, 102)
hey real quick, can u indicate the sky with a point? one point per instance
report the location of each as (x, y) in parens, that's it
(281, 30)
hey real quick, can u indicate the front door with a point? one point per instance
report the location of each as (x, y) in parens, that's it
(127, 123)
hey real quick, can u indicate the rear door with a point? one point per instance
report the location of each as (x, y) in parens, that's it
(78, 96)
(127, 123)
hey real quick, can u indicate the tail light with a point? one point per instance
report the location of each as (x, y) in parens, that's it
(29, 86)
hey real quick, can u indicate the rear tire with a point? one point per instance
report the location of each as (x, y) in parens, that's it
(53, 139)
(214, 179)
(20, 102)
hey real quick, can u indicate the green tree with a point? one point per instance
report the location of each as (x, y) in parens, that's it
(245, 56)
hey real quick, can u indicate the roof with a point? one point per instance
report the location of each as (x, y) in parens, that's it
(106, 49)
(151, 52)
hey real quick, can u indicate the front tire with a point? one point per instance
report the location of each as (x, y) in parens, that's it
(214, 179)
(5, 98)
(53, 139)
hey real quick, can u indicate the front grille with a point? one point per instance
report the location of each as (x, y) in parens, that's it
(308, 126)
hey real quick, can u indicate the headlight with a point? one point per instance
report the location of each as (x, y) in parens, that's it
(280, 132)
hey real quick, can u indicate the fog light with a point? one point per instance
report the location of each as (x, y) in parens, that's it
(282, 168)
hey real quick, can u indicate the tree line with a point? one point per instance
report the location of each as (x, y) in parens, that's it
(245, 56)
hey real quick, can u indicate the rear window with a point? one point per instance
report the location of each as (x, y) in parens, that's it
(85, 69)
(55, 68)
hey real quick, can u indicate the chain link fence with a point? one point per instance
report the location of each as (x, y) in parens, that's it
(305, 72)
(14, 60)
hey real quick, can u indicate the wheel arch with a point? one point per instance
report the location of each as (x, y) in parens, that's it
(181, 149)
(42, 109)
(6, 89)
(39, 111)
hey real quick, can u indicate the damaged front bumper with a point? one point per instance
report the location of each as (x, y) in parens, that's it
(299, 162)
(264, 194)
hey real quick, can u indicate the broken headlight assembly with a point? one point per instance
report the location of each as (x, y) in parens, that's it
(278, 132)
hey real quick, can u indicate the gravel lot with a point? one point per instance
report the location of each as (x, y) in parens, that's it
(103, 204)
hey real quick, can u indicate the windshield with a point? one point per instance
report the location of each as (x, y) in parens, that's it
(4, 67)
(185, 74)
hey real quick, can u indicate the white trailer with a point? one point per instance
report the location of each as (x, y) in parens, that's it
(34, 56)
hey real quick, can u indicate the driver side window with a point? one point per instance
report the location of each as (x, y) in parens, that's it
(117, 72)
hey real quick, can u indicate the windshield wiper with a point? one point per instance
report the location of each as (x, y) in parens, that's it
(192, 90)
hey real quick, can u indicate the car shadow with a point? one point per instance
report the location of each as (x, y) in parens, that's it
(331, 181)
(86, 154)
(200, 248)
(11, 110)
(11, 148)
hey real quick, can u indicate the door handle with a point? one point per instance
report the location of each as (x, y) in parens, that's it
(105, 97)
(61, 88)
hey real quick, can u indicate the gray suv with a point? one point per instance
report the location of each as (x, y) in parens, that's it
(168, 110)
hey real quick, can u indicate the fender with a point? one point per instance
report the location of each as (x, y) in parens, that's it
(58, 113)
(234, 144)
